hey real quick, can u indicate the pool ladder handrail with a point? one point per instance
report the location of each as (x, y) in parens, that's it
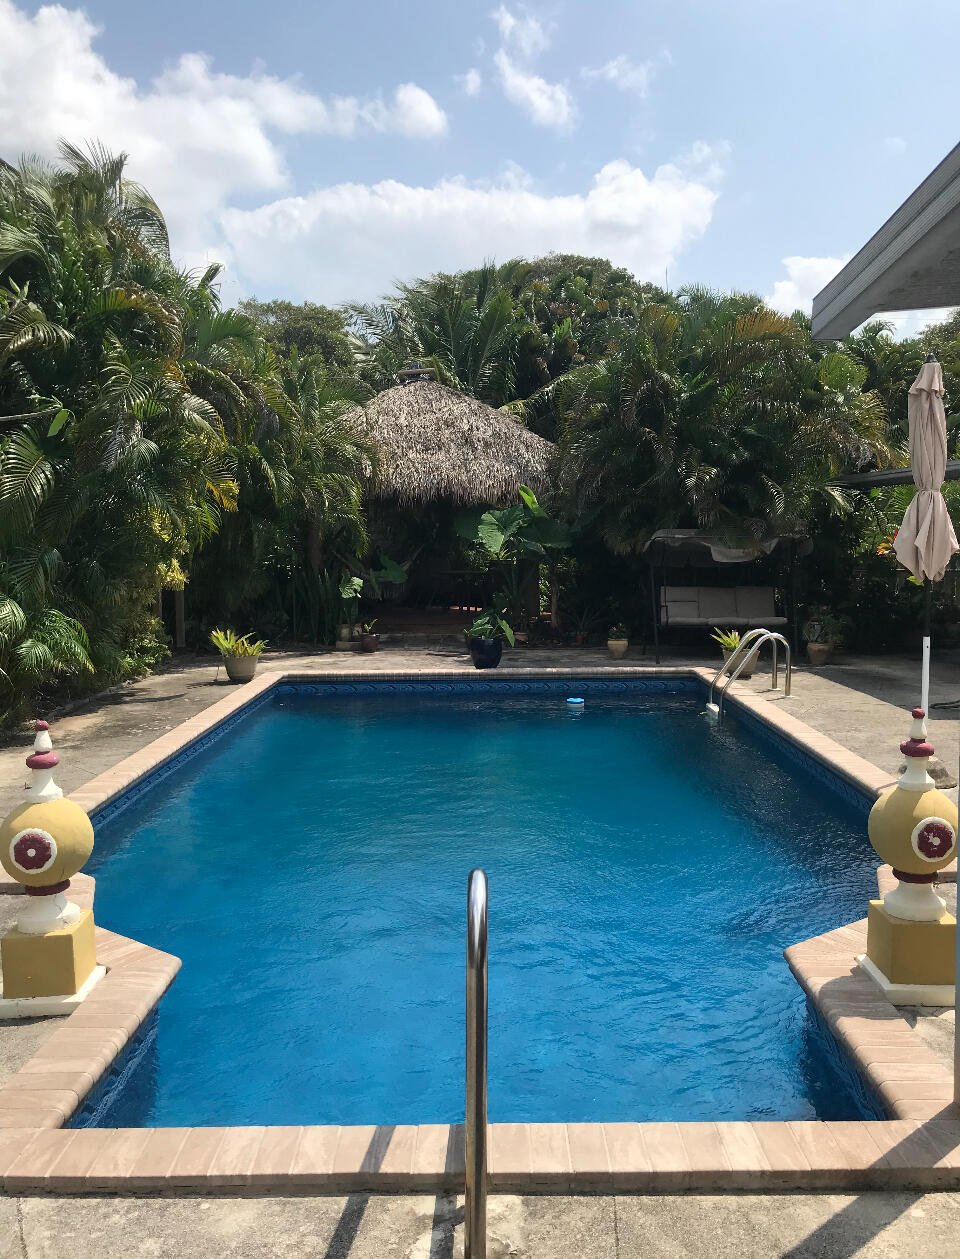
(475, 1128)
(754, 639)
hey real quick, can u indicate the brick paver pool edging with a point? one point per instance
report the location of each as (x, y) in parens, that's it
(918, 1148)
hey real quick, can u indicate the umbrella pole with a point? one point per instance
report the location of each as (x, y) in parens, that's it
(925, 671)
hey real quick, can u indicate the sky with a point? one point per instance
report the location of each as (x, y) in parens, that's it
(325, 151)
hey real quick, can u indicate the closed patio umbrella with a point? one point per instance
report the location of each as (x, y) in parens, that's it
(926, 540)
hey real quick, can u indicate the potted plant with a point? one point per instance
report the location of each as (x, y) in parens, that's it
(369, 641)
(823, 632)
(240, 655)
(618, 640)
(487, 634)
(729, 641)
(584, 619)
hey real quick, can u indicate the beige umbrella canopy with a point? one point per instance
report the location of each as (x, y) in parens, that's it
(926, 539)
(436, 443)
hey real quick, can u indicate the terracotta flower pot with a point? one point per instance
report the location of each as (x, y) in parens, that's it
(241, 668)
(819, 653)
(617, 647)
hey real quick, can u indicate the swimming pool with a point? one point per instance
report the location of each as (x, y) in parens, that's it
(646, 870)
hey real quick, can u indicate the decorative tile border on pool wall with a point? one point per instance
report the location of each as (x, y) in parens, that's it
(918, 1148)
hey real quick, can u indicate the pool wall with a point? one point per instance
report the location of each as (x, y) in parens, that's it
(918, 1147)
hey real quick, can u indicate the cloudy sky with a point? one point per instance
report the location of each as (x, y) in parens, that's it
(324, 150)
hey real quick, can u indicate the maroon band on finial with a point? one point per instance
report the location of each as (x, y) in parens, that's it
(43, 760)
(41, 725)
(904, 877)
(50, 889)
(918, 714)
(912, 747)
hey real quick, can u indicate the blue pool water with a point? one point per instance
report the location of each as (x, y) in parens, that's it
(646, 871)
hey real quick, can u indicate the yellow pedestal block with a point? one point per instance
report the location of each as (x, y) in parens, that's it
(52, 965)
(911, 952)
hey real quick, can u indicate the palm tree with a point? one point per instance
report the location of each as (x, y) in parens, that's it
(714, 415)
(111, 465)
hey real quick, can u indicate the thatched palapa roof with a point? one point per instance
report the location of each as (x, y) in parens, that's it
(436, 443)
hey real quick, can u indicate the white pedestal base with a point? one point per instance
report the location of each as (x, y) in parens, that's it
(50, 1007)
(907, 994)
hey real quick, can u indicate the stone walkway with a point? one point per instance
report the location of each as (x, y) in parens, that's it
(858, 701)
(735, 1226)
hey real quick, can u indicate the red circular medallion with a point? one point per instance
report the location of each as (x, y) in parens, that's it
(33, 850)
(933, 839)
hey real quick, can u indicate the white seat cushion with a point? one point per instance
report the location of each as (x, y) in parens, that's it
(766, 622)
(681, 608)
(755, 602)
(719, 604)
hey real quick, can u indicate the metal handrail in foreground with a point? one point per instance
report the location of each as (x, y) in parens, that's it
(475, 1129)
(762, 636)
(739, 651)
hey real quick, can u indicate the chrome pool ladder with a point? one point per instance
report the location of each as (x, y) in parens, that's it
(747, 649)
(475, 1128)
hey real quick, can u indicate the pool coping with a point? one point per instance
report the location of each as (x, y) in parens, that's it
(917, 1147)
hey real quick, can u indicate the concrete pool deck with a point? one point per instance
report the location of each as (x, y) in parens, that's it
(740, 1151)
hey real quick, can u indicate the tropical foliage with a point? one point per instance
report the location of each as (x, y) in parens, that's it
(136, 418)
(150, 438)
(715, 413)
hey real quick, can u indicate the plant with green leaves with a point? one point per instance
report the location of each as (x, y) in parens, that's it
(37, 646)
(510, 535)
(111, 466)
(729, 640)
(229, 643)
(718, 414)
(351, 588)
(493, 623)
(824, 626)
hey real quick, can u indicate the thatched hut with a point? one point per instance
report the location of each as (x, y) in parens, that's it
(441, 453)
(438, 445)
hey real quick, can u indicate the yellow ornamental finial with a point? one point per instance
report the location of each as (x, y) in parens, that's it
(913, 827)
(49, 959)
(45, 841)
(911, 939)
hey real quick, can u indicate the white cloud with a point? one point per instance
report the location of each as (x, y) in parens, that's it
(805, 278)
(706, 162)
(205, 142)
(471, 81)
(893, 146)
(522, 33)
(547, 104)
(910, 323)
(197, 137)
(627, 75)
(522, 39)
(353, 240)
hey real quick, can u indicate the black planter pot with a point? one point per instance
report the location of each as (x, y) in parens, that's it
(486, 652)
